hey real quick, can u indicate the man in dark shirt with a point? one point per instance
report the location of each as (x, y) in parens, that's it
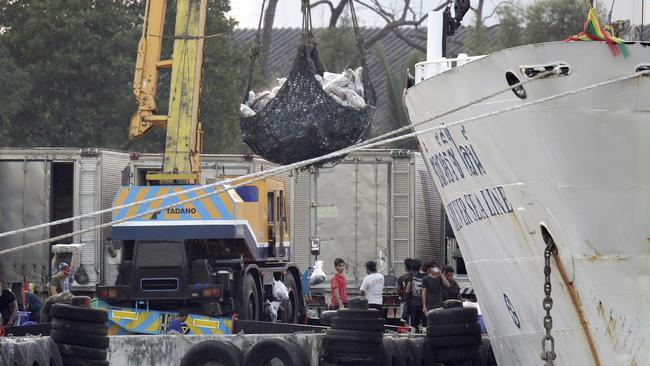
(453, 291)
(414, 291)
(432, 285)
(402, 282)
(8, 307)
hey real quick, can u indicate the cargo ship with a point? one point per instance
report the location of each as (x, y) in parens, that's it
(556, 164)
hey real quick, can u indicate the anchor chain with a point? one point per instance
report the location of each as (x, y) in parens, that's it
(548, 343)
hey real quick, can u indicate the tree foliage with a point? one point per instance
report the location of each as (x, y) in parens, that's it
(395, 83)
(553, 20)
(337, 47)
(76, 62)
(66, 69)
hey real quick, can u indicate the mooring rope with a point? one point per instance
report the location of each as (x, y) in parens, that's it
(247, 179)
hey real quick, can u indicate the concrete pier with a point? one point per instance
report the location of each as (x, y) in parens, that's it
(167, 350)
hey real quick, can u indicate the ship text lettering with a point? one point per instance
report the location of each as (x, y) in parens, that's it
(477, 206)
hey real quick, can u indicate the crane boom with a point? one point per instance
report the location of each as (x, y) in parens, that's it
(184, 134)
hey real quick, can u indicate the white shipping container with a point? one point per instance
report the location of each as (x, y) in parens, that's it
(39, 185)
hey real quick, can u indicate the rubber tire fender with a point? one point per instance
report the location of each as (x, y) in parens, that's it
(487, 353)
(342, 358)
(360, 336)
(212, 350)
(336, 346)
(358, 324)
(88, 353)
(33, 353)
(283, 349)
(453, 329)
(409, 351)
(358, 303)
(456, 354)
(76, 361)
(87, 340)
(471, 340)
(358, 314)
(442, 316)
(51, 351)
(78, 313)
(422, 355)
(81, 327)
(12, 354)
(392, 353)
(327, 316)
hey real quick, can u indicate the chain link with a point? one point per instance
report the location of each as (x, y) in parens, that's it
(548, 343)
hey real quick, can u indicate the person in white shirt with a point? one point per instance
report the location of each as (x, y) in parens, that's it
(372, 287)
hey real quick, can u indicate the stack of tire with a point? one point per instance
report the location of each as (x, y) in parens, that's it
(453, 335)
(80, 334)
(356, 336)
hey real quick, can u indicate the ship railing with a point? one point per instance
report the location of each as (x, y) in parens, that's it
(427, 69)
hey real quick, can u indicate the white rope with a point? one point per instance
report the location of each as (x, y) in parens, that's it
(275, 171)
(227, 181)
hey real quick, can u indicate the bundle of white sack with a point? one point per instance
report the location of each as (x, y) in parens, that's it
(345, 88)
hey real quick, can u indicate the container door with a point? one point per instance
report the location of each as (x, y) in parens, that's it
(24, 202)
(352, 215)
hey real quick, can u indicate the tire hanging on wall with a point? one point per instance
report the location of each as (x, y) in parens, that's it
(212, 350)
(392, 353)
(267, 349)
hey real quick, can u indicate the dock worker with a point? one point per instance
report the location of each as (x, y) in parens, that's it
(432, 285)
(178, 325)
(59, 282)
(372, 287)
(338, 286)
(453, 291)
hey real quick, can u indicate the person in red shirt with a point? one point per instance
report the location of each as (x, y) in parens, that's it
(338, 287)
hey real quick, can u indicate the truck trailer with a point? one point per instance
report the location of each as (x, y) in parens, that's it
(378, 205)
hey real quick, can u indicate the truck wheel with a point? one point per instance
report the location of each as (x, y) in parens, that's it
(291, 307)
(250, 308)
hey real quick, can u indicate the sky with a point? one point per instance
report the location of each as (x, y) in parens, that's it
(288, 14)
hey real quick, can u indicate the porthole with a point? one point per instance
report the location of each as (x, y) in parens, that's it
(512, 79)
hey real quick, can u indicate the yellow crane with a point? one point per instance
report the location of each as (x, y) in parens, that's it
(219, 255)
(184, 134)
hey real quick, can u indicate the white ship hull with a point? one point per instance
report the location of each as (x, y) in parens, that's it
(578, 166)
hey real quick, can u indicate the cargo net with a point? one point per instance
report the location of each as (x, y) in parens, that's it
(303, 121)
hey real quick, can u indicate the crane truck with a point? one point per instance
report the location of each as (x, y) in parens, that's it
(215, 256)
